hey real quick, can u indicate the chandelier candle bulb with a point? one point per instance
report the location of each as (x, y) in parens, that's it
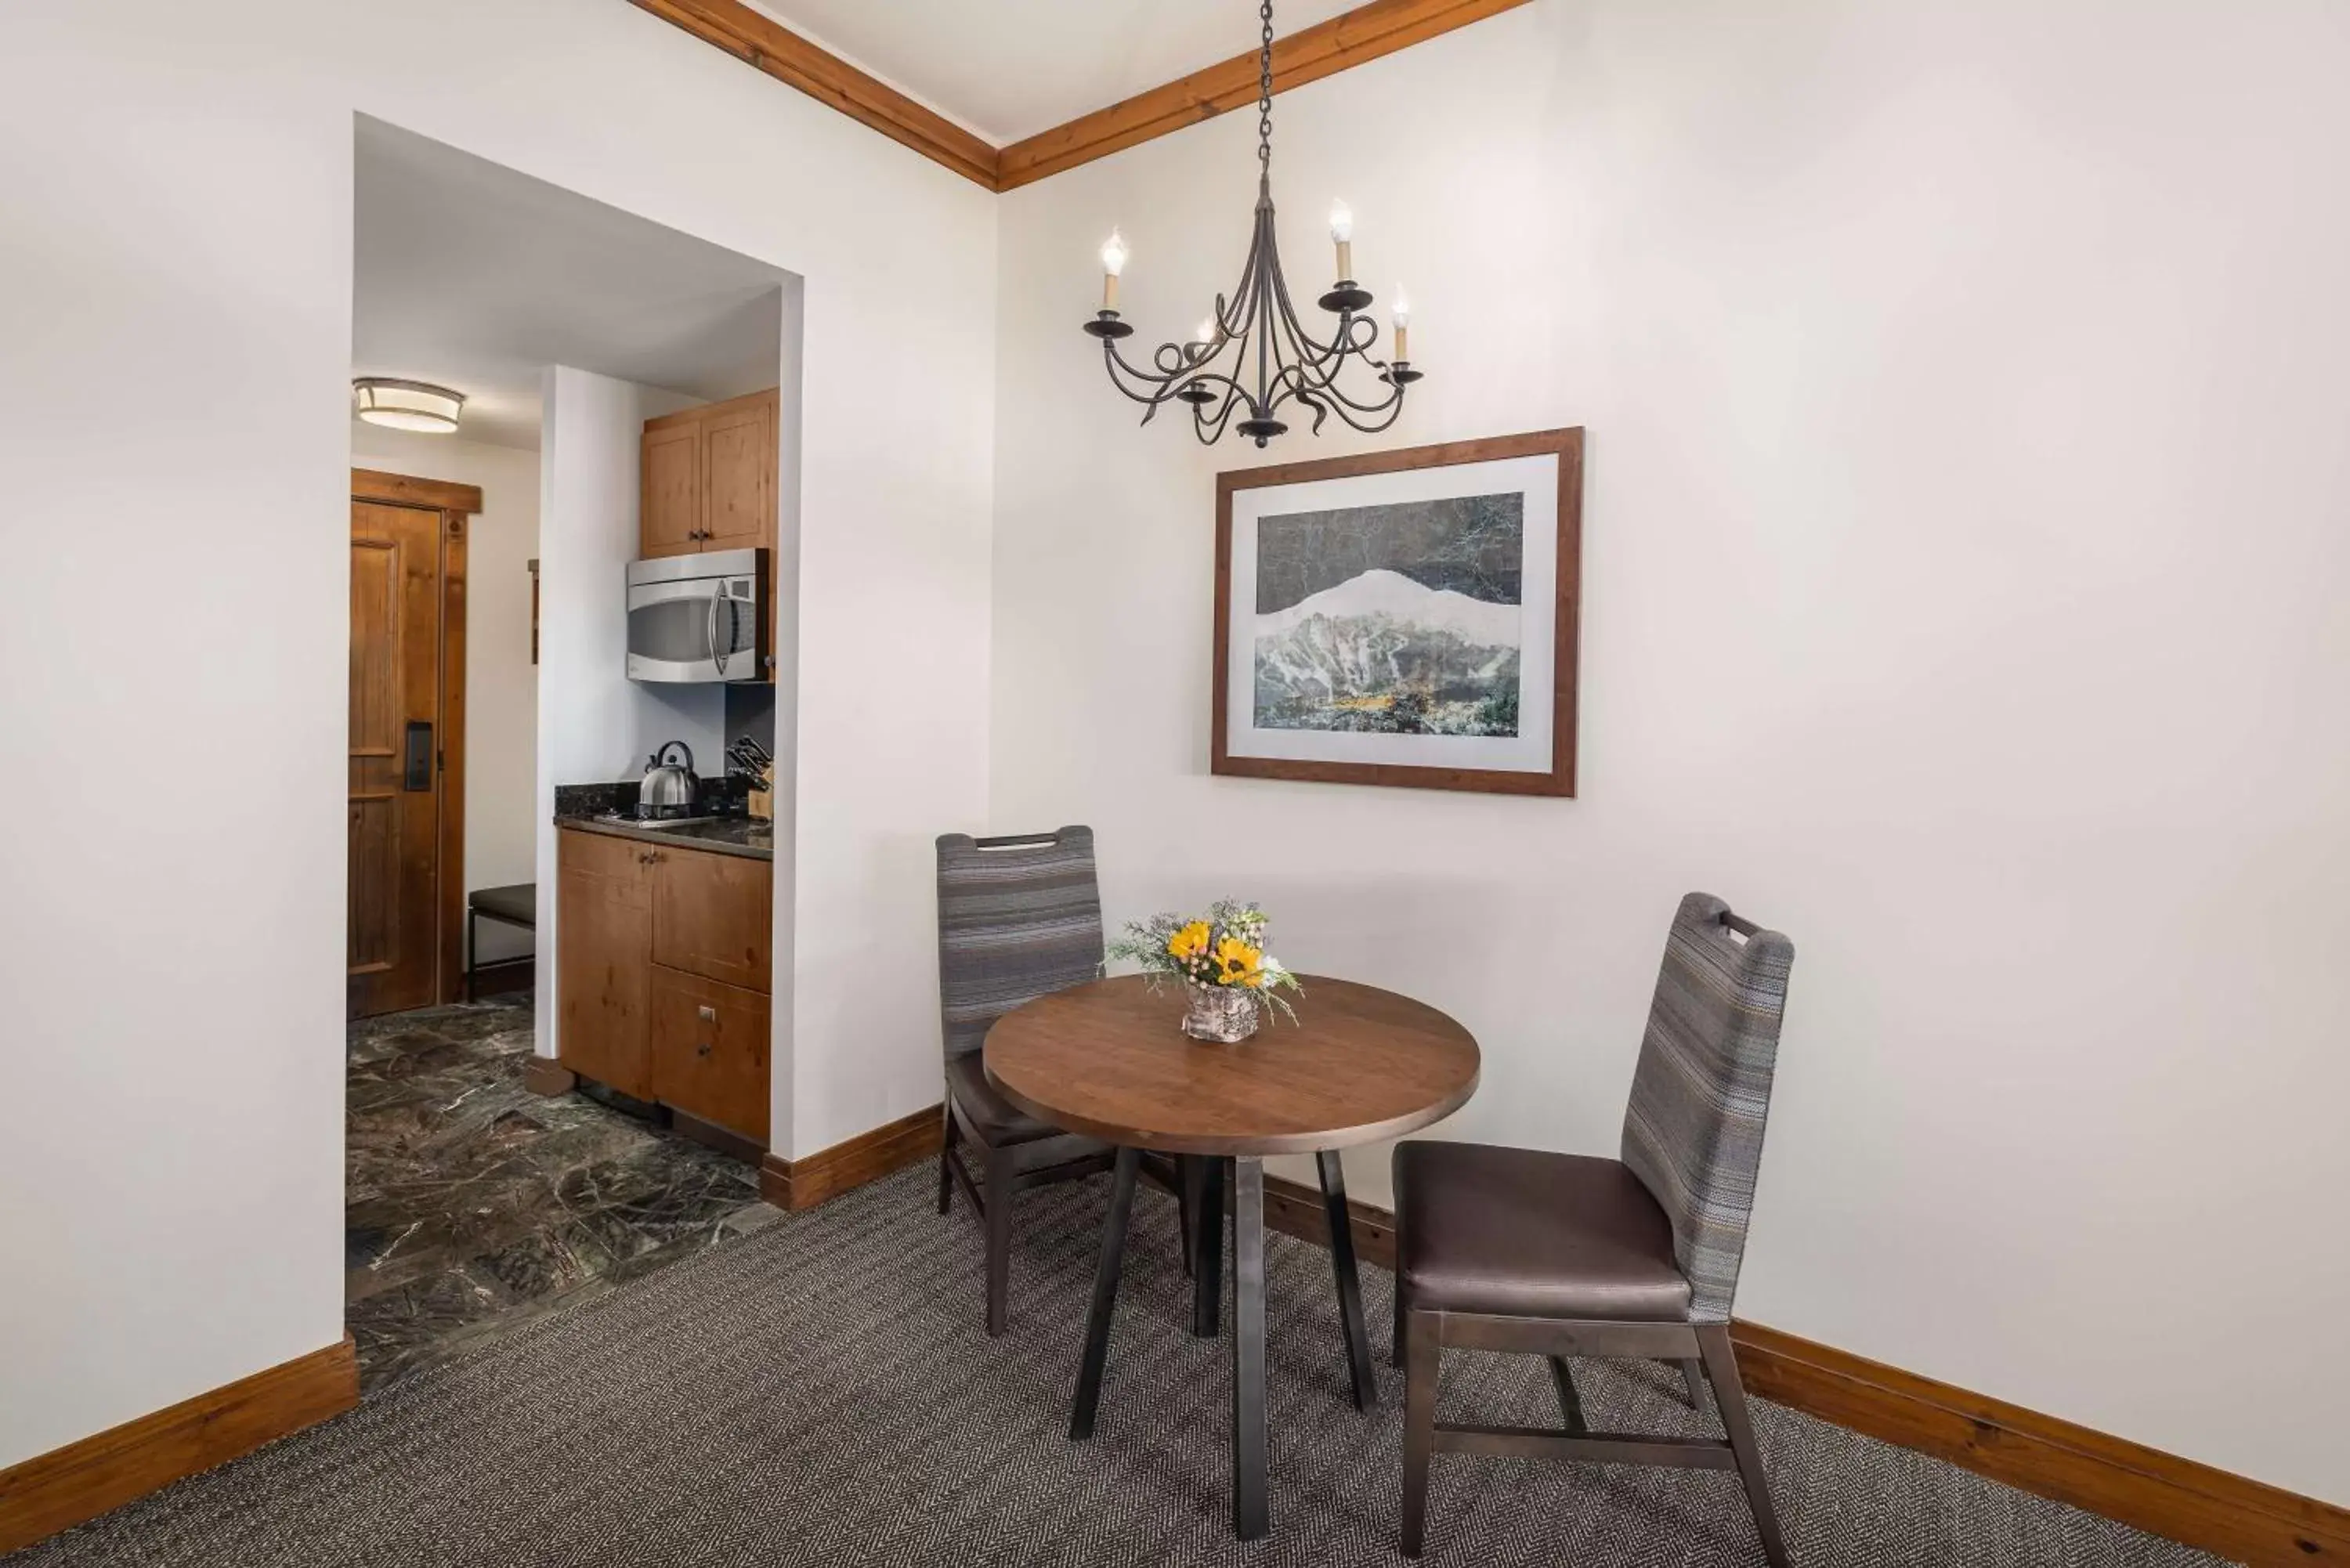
(1113, 260)
(1402, 318)
(1342, 235)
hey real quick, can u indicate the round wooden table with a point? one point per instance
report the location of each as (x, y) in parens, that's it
(1107, 1059)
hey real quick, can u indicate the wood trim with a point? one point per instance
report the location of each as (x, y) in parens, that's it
(450, 778)
(761, 41)
(1364, 34)
(1295, 1208)
(1567, 445)
(67, 1486)
(869, 1156)
(2180, 1500)
(400, 490)
(2241, 1520)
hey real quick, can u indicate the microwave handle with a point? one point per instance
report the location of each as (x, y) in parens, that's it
(710, 629)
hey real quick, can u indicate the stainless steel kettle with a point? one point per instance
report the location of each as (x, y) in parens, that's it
(667, 789)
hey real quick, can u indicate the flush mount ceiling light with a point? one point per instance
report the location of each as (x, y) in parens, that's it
(1275, 360)
(406, 405)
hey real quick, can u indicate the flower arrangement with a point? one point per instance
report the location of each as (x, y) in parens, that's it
(1220, 957)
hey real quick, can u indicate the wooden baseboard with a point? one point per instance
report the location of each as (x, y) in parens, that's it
(545, 1076)
(869, 1156)
(1296, 1210)
(82, 1481)
(2162, 1494)
(2243, 1520)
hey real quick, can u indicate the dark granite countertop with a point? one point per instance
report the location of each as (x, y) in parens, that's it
(752, 838)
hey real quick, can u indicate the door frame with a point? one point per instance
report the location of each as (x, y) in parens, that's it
(455, 503)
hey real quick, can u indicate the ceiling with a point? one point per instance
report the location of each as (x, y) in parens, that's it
(1010, 68)
(475, 277)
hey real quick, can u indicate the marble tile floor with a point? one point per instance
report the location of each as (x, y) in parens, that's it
(473, 1203)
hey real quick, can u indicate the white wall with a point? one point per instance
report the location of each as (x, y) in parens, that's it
(597, 726)
(175, 982)
(1964, 542)
(501, 682)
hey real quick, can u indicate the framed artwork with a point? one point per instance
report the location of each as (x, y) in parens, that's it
(1403, 618)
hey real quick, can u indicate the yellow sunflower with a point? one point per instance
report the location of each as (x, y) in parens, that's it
(1237, 963)
(1190, 941)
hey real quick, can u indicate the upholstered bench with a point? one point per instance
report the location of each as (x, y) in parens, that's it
(514, 905)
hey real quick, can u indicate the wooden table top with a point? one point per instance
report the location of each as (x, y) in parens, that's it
(1108, 1060)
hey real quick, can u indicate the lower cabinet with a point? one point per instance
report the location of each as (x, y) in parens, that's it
(640, 930)
(710, 1049)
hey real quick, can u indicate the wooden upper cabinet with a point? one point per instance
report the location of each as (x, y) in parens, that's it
(738, 477)
(710, 477)
(670, 523)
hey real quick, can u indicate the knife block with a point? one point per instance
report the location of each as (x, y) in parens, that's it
(761, 800)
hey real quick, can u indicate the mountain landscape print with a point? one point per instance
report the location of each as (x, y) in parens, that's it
(1400, 618)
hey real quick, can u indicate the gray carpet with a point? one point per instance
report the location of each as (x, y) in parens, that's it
(820, 1392)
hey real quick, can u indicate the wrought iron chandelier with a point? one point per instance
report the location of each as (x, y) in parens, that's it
(1275, 360)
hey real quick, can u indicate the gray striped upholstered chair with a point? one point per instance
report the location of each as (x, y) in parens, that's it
(1018, 916)
(1564, 1255)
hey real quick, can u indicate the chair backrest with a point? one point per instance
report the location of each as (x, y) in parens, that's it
(1693, 1134)
(1018, 918)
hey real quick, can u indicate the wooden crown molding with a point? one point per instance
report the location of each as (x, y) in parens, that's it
(2239, 1518)
(1358, 35)
(1362, 34)
(760, 40)
(61, 1488)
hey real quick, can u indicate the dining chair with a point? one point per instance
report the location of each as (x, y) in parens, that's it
(1019, 917)
(1564, 1255)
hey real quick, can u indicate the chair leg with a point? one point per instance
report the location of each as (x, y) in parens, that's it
(1730, 1397)
(1421, 1342)
(1570, 1403)
(1693, 1375)
(999, 1238)
(946, 1164)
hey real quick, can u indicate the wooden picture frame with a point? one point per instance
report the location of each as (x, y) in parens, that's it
(1561, 598)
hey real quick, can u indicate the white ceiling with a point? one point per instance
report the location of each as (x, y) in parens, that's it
(475, 277)
(1010, 68)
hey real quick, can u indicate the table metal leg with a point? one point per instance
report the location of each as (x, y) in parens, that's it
(1350, 1286)
(1208, 1246)
(1249, 1514)
(1113, 1253)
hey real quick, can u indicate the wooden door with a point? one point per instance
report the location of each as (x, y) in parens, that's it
(603, 938)
(710, 1050)
(710, 913)
(738, 475)
(669, 522)
(394, 944)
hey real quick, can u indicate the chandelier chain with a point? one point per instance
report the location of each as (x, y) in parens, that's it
(1265, 93)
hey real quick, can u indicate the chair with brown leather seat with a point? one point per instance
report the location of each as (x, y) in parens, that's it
(1019, 917)
(1566, 1255)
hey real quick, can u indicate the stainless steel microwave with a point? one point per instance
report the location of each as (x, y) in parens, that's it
(702, 617)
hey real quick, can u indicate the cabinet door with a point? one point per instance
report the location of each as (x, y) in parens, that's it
(710, 915)
(738, 477)
(670, 520)
(603, 924)
(710, 1050)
